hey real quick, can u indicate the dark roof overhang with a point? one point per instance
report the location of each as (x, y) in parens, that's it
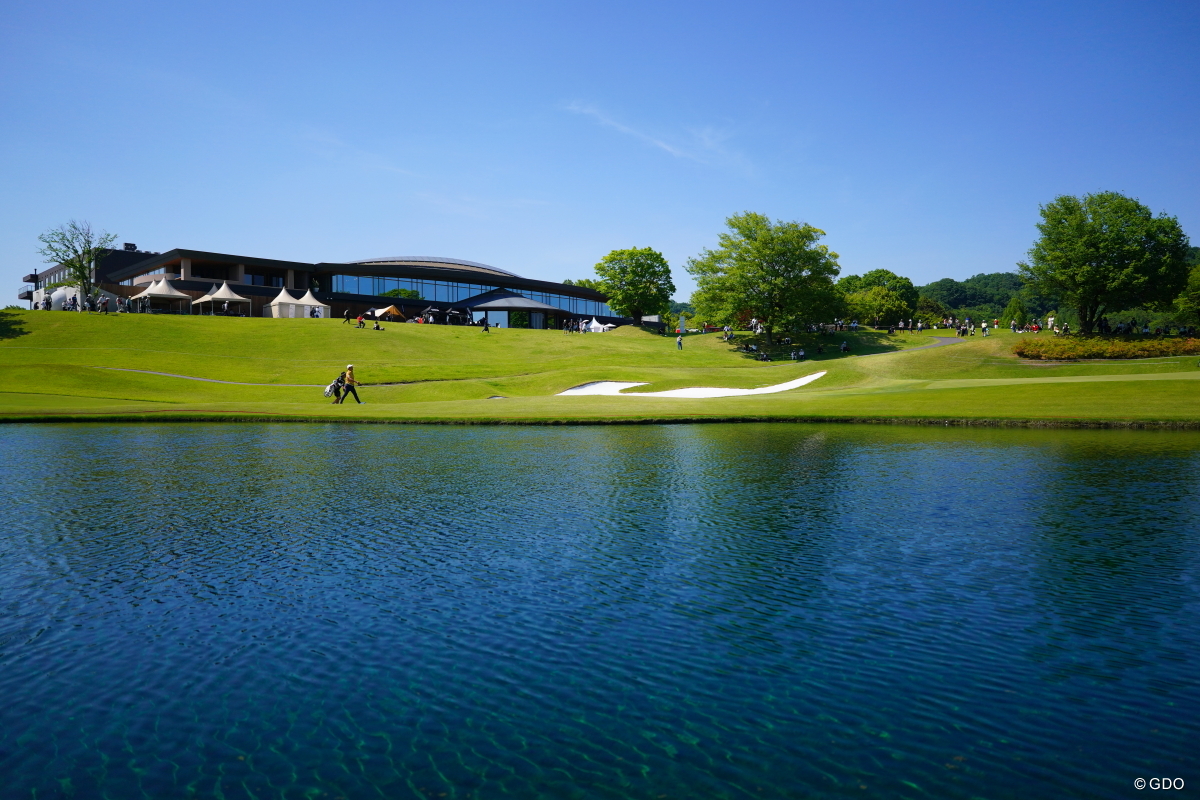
(201, 257)
(504, 300)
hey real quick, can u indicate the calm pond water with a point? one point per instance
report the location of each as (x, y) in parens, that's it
(724, 611)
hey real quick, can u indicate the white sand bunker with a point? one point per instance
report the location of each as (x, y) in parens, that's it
(616, 387)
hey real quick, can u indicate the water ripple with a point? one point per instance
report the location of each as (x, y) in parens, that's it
(253, 611)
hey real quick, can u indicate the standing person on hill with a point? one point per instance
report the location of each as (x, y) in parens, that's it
(679, 342)
(350, 384)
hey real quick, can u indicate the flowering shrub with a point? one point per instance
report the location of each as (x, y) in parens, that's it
(1060, 349)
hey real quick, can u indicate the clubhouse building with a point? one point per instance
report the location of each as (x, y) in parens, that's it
(437, 289)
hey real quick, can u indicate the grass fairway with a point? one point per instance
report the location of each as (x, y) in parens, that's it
(64, 365)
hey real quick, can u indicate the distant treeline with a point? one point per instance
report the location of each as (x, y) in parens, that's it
(992, 294)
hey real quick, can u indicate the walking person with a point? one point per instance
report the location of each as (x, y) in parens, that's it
(350, 383)
(346, 316)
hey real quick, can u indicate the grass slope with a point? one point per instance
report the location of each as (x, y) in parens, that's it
(67, 365)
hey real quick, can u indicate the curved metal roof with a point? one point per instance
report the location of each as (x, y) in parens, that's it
(435, 260)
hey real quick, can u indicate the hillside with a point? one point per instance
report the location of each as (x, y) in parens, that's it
(65, 366)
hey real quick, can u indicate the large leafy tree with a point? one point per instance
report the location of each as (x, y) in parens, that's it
(883, 279)
(1015, 310)
(78, 248)
(1106, 252)
(1187, 305)
(930, 310)
(637, 282)
(878, 304)
(777, 272)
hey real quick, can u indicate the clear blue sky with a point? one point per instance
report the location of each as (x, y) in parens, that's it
(538, 136)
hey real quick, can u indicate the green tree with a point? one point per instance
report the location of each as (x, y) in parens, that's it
(930, 311)
(637, 282)
(78, 248)
(776, 272)
(1187, 305)
(1015, 310)
(877, 303)
(885, 279)
(1106, 252)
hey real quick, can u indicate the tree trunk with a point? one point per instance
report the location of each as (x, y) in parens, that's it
(767, 331)
(1087, 318)
(636, 313)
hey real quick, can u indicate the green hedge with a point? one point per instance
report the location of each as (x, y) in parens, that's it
(1053, 348)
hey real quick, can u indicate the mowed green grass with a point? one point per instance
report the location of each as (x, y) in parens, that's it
(68, 365)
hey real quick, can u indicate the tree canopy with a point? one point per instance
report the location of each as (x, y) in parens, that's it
(1187, 305)
(637, 282)
(78, 248)
(1106, 252)
(878, 304)
(1015, 310)
(884, 279)
(776, 272)
(930, 310)
(993, 289)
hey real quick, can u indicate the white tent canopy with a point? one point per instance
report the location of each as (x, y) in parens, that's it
(163, 290)
(226, 294)
(284, 305)
(595, 326)
(223, 295)
(207, 295)
(146, 292)
(313, 302)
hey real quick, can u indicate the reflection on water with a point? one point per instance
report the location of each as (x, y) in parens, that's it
(661, 611)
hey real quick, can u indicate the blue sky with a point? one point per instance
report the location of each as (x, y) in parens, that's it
(539, 136)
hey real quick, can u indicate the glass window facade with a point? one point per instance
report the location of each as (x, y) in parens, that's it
(263, 279)
(453, 292)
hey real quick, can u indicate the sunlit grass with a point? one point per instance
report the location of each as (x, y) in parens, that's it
(65, 363)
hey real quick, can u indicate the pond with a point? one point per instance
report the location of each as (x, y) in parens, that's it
(724, 611)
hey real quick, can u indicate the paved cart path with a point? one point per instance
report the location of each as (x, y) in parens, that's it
(942, 341)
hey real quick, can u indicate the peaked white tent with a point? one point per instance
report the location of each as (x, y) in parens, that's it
(312, 302)
(162, 290)
(284, 305)
(224, 296)
(595, 326)
(207, 295)
(146, 292)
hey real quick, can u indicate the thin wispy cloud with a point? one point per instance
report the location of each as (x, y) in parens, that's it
(609, 122)
(332, 147)
(705, 145)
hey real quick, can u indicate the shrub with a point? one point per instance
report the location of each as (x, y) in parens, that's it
(1052, 348)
